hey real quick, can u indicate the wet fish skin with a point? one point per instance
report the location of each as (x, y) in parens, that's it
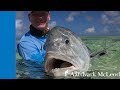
(63, 46)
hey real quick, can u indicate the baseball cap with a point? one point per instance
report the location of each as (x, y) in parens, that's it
(33, 11)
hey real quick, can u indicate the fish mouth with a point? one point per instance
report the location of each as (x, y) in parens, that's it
(57, 65)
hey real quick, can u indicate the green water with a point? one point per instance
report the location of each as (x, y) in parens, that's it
(103, 67)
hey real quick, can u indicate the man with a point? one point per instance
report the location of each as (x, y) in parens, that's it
(31, 44)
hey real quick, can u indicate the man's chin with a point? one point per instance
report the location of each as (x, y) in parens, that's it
(41, 27)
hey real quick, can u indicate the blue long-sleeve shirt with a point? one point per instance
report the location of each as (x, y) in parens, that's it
(31, 48)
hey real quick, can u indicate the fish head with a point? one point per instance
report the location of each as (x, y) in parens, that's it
(65, 52)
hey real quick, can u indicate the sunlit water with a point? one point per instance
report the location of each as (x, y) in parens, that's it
(33, 70)
(109, 62)
(30, 70)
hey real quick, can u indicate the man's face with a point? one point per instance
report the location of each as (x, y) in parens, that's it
(39, 19)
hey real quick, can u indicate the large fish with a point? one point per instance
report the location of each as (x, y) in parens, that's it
(65, 53)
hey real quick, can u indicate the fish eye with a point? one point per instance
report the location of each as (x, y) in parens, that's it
(67, 42)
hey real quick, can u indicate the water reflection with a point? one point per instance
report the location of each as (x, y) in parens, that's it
(30, 70)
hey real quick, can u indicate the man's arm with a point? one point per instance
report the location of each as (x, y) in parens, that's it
(29, 51)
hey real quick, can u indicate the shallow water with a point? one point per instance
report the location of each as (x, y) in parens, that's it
(33, 70)
(30, 70)
(109, 62)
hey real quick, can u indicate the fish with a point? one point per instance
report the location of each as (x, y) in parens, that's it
(65, 53)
